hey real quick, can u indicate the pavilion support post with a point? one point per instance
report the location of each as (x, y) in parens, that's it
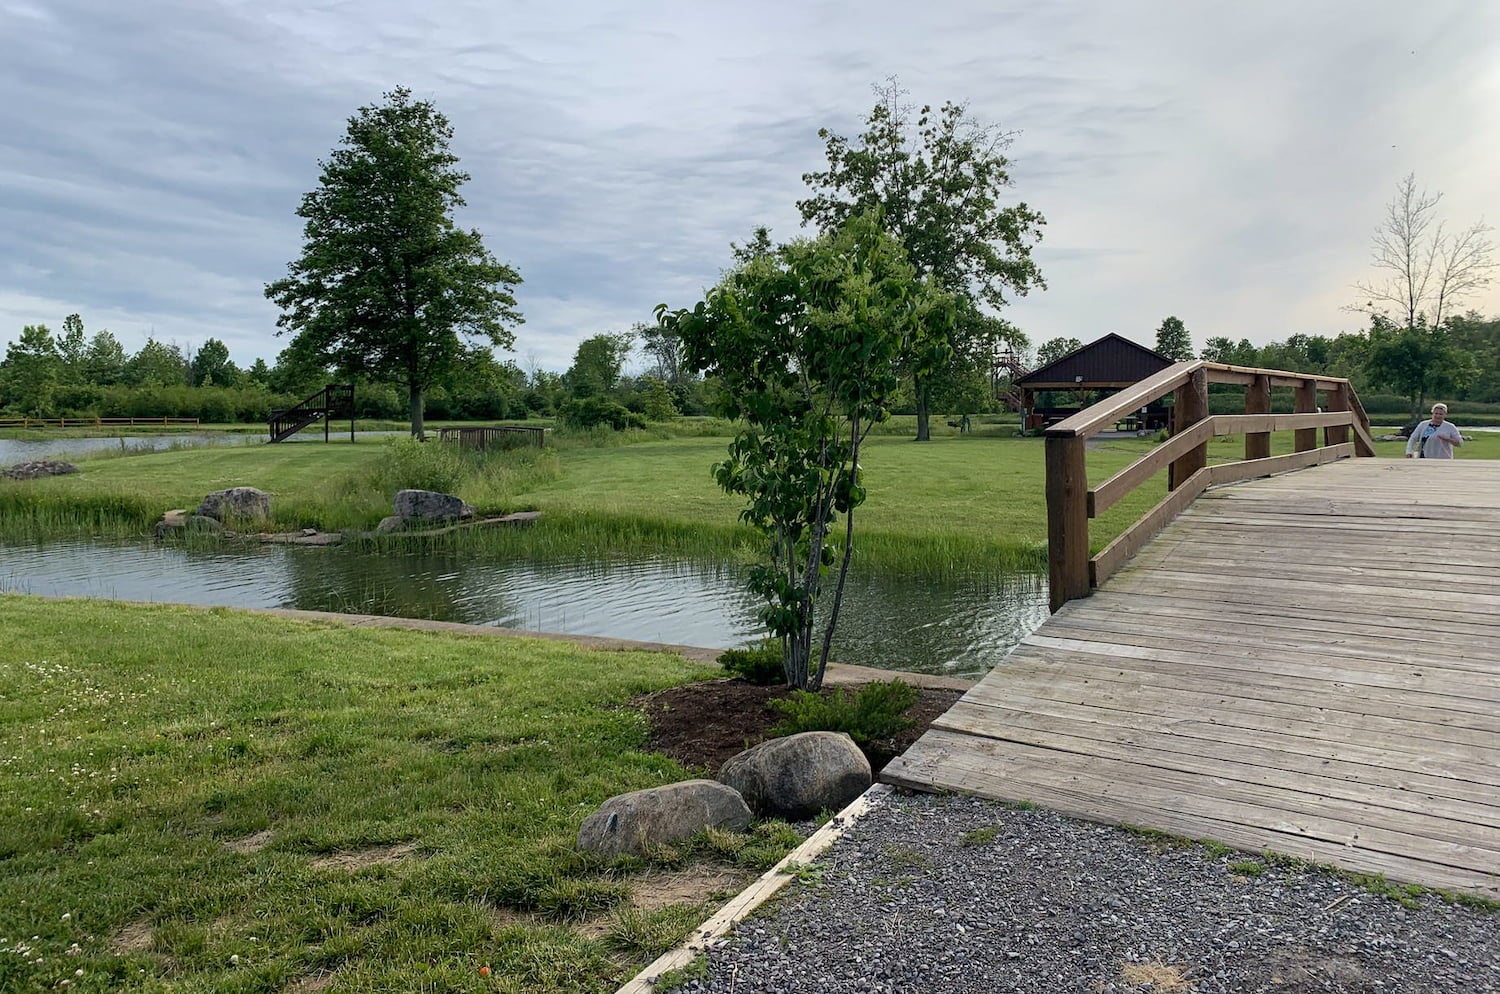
(1189, 406)
(1067, 520)
(1258, 401)
(1306, 439)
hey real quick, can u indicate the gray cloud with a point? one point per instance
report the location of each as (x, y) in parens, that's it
(1223, 164)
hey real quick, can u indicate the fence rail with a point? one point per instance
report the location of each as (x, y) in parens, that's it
(94, 422)
(500, 436)
(1071, 502)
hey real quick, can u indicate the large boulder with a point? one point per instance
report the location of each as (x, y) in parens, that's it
(426, 505)
(645, 819)
(37, 469)
(236, 504)
(800, 775)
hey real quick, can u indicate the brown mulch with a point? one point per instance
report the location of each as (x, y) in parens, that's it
(701, 725)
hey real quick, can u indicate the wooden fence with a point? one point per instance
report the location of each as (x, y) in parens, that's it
(95, 422)
(498, 436)
(1071, 502)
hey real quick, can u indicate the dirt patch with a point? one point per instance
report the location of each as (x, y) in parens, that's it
(133, 938)
(701, 725)
(1160, 978)
(694, 885)
(1298, 969)
(310, 984)
(374, 856)
(250, 843)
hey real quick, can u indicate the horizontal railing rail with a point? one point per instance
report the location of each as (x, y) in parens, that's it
(334, 401)
(481, 436)
(1071, 502)
(95, 422)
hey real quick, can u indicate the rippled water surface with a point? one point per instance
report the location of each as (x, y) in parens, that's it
(961, 627)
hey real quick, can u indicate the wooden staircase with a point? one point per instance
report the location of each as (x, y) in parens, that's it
(334, 401)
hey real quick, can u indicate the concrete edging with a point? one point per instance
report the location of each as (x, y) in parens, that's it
(758, 893)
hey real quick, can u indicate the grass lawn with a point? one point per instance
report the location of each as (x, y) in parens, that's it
(201, 800)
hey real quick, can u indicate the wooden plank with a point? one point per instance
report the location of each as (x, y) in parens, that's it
(1234, 472)
(1006, 771)
(1104, 414)
(1258, 401)
(1305, 402)
(1239, 424)
(1309, 774)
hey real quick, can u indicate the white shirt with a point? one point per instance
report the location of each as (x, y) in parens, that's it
(1436, 441)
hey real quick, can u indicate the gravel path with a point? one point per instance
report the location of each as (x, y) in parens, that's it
(947, 894)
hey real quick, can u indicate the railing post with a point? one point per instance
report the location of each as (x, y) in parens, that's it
(1338, 400)
(1258, 401)
(1190, 405)
(1305, 439)
(1067, 520)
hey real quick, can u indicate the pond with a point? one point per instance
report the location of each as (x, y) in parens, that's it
(960, 627)
(15, 450)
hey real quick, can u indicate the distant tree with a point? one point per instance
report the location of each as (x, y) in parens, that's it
(387, 283)
(1416, 362)
(1424, 271)
(663, 350)
(211, 366)
(1217, 349)
(104, 361)
(259, 372)
(937, 179)
(157, 364)
(1173, 341)
(806, 342)
(1054, 349)
(597, 364)
(72, 347)
(300, 370)
(32, 369)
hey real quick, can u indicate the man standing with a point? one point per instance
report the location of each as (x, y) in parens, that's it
(1434, 438)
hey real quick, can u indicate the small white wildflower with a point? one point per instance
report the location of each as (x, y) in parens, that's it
(234, 960)
(67, 915)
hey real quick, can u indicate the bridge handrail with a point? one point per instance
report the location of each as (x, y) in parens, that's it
(1071, 502)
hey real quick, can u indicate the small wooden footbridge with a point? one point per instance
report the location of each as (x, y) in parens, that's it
(1297, 653)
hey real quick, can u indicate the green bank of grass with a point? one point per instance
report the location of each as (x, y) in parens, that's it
(213, 801)
(961, 503)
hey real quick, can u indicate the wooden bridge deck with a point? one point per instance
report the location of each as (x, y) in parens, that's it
(1308, 664)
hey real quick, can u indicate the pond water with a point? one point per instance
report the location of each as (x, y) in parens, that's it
(14, 450)
(957, 627)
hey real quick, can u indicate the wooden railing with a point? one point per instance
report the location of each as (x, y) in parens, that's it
(1071, 502)
(94, 422)
(483, 437)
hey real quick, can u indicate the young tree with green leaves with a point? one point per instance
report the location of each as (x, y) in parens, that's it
(32, 369)
(105, 361)
(387, 283)
(72, 346)
(1173, 341)
(1055, 348)
(597, 364)
(806, 340)
(938, 178)
(211, 366)
(157, 364)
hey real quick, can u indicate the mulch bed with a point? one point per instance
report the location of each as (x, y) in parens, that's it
(701, 725)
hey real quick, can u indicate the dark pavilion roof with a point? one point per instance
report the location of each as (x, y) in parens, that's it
(1111, 361)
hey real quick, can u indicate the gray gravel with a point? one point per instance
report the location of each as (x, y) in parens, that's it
(917, 897)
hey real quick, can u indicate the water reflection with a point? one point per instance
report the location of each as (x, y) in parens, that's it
(959, 626)
(14, 450)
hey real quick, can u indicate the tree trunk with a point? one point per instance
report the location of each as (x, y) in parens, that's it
(417, 428)
(920, 385)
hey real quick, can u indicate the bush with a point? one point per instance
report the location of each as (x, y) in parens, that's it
(593, 412)
(758, 664)
(412, 465)
(872, 713)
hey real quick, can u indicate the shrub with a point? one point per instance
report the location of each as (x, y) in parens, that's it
(412, 465)
(592, 412)
(758, 664)
(872, 713)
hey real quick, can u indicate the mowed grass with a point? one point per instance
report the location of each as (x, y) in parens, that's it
(198, 800)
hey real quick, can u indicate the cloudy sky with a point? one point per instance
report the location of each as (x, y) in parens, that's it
(1226, 163)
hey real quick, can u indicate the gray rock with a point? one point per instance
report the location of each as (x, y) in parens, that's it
(237, 503)
(174, 522)
(800, 775)
(644, 819)
(390, 523)
(37, 469)
(425, 505)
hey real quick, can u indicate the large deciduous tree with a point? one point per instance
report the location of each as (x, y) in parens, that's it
(597, 364)
(938, 178)
(387, 283)
(805, 339)
(1424, 270)
(1055, 348)
(32, 368)
(211, 366)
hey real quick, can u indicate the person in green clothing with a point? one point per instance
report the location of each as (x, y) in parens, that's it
(1435, 437)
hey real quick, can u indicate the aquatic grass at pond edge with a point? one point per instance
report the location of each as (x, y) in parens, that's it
(177, 781)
